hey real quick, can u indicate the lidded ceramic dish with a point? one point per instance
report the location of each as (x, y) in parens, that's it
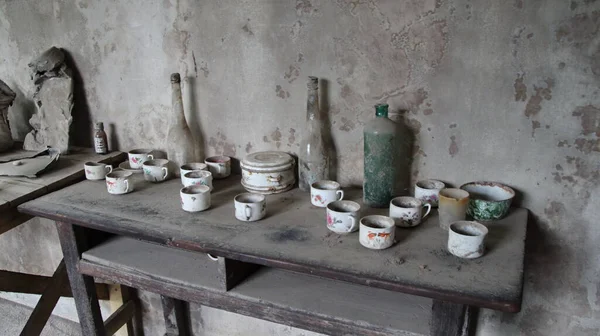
(489, 200)
(269, 172)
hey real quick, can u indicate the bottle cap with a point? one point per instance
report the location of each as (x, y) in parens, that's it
(313, 82)
(99, 125)
(175, 78)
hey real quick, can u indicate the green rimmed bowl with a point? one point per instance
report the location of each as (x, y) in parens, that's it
(488, 200)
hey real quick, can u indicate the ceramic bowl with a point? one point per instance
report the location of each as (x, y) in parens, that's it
(489, 200)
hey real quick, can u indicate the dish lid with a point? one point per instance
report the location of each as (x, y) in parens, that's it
(268, 159)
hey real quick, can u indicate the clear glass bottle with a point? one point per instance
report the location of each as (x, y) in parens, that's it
(100, 141)
(380, 159)
(180, 142)
(313, 157)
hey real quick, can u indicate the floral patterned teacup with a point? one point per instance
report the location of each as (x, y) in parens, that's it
(200, 177)
(137, 157)
(428, 191)
(342, 216)
(195, 198)
(219, 166)
(408, 211)
(119, 182)
(96, 171)
(325, 192)
(156, 170)
(377, 232)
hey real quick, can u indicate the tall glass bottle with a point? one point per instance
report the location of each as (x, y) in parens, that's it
(380, 155)
(313, 157)
(180, 143)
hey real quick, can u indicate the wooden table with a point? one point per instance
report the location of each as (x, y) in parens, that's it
(293, 237)
(17, 190)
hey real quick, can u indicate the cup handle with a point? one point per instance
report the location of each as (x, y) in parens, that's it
(354, 223)
(340, 194)
(221, 169)
(150, 157)
(126, 186)
(428, 206)
(108, 168)
(166, 172)
(212, 257)
(248, 212)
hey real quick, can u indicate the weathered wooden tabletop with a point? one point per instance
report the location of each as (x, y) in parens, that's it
(294, 236)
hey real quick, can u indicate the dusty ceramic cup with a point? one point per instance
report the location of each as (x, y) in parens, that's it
(453, 206)
(200, 177)
(377, 232)
(119, 182)
(195, 198)
(466, 239)
(489, 200)
(137, 157)
(342, 216)
(96, 171)
(428, 191)
(250, 207)
(325, 192)
(219, 166)
(408, 211)
(191, 167)
(156, 170)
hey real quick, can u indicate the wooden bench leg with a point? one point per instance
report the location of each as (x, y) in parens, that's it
(452, 319)
(42, 311)
(134, 326)
(177, 322)
(73, 242)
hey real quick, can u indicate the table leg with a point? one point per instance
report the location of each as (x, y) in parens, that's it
(73, 242)
(452, 319)
(134, 326)
(177, 322)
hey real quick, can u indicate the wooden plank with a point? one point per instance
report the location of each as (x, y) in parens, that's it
(73, 242)
(36, 284)
(294, 236)
(451, 319)
(119, 318)
(43, 309)
(322, 305)
(232, 272)
(175, 313)
(134, 325)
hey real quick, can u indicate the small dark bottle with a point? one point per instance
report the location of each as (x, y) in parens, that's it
(100, 142)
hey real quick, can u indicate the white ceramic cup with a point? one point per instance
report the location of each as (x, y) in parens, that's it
(325, 192)
(137, 157)
(342, 216)
(219, 166)
(408, 211)
(195, 198)
(96, 171)
(377, 232)
(250, 207)
(119, 182)
(191, 167)
(466, 239)
(428, 191)
(156, 170)
(200, 177)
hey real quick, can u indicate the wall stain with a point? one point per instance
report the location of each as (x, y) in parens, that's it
(563, 143)
(453, 150)
(305, 7)
(520, 88)
(276, 136)
(414, 125)
(265, 138)
(587, 146)
(518, 4)
(281, 93)
(248, 147)
(533, 106)
(428, 111)
(247, 30)
(293, 71)
(534, 125)
(453, 125)
(220, 146)
(295, 30)
(347, 125)
(590, 119)
(292, 137)
(573, 5)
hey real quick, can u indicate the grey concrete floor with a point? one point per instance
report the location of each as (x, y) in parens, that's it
(13, 317)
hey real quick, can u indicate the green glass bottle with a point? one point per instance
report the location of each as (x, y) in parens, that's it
(380, 156)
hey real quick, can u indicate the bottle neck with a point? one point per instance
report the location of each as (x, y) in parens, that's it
(312, 105)
(381, 110)
(177, 103)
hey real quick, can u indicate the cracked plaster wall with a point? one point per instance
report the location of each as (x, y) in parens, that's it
(494, 90)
